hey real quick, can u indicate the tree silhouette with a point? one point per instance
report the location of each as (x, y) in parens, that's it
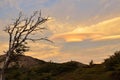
(91, 63)
(19, 34)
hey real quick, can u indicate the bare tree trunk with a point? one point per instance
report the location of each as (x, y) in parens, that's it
(5, 66)
(2, 75)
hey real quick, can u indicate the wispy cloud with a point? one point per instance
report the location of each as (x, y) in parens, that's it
(43, 50)
(76, 37)
(105, 30)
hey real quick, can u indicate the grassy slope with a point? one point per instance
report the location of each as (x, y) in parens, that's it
(109, 70)
(52, 71)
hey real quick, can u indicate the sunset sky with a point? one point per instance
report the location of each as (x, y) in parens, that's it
(82, 30)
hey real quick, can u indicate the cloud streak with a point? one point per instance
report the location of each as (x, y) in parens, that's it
(76, 37)
(104, 30)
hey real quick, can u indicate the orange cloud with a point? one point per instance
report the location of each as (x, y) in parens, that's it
(107, 27)
(43, 50)
(108, 37)
(105, 30)
(74, 37)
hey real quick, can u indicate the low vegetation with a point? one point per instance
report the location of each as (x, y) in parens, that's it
(108, 70)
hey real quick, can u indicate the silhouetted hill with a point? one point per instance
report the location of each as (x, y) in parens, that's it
(33, 69)
(23, 61)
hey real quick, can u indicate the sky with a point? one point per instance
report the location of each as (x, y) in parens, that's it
(82, 30)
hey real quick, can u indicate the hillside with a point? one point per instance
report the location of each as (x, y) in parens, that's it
(33, 69)
(23, 61)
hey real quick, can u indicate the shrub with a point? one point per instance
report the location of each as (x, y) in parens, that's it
(113, 62)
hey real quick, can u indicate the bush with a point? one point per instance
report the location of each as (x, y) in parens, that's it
(113, 62)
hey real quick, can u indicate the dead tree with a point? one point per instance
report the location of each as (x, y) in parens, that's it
(19, 33)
